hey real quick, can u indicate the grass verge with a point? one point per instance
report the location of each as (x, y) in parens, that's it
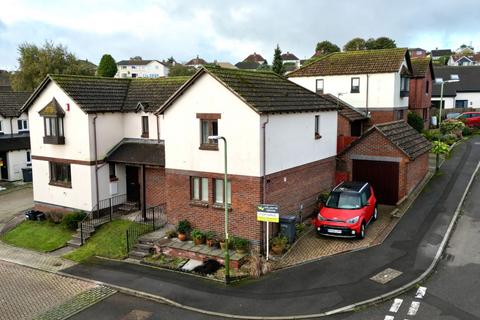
(107, 241)
(41, 236)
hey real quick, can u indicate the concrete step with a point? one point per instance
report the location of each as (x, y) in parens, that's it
(74, 243)
(138, 255)
(79, 238)
(142, 247)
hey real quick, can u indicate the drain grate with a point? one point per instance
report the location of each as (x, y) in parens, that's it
(386, 276)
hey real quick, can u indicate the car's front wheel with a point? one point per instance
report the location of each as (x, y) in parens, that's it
(361, 233)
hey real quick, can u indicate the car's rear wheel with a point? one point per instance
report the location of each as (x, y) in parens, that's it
(361, 234)
(375, 214)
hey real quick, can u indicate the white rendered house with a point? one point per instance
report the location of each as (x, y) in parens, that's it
(141, 69)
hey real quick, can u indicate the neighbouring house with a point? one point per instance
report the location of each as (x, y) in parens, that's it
(421, 83)
(139, 68)
(464, 60)
(462, 94)
(393, 157)
(374, 81)
(290, 61)
(255, 57)
(5, 81)
(94, 139)
(417, 52)
(196, 62)
(281, 148)
(14, 135)
(247, 65)
(225, 64)
(439, 53)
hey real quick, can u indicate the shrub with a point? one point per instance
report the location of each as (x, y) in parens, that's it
(432, 135)
(240, 243)
(71, 220)
(184, 226)
(197, 234)
(210, 235)
(452, 126)
(171, 234)
(55, 216)
(467, 131)
(439, 147)
(415, 121)
(280, 240)
(449, 138)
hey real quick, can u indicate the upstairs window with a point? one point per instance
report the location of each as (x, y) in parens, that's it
(404, 86)
(60, 174)
(22, 125)
(220, 192)
(427, 87)
(319, 86)
(355, 85)
(317, 127)
(1, 129)
(53, 115)
(145, 127)
(208, 127)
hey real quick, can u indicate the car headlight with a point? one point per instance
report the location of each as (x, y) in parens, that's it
(353, 220)
(320, 218)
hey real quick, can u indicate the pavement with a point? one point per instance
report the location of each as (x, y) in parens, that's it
(14, 202)
(321, 286)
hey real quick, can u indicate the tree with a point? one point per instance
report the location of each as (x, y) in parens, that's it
(277, 64)
(180, 70)
(371, 44)
(415, 121)
(107, 66)
(264, 67)
(355, 44)
(326, 47)
(385, 43)
(36, 62)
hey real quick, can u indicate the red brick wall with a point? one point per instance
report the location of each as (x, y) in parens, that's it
(416, 171)
(246, 195)
(419, 99)
(343, 128)
(300, 186)
(155, 186)
(44, 207)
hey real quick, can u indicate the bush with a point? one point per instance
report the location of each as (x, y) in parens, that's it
(452, 126)
(467, 131)
(240, 243)
(449, 138)
(210, 235)
(184, 226)
(71, 220)
(415, 121)
(55, 216)
(432, 135)
(280, 240)
(439, 147)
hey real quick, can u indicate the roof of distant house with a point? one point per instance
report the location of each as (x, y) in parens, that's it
(441, 52)
(196, 61)
(99, 94)
(402, 136)
(263, 91)
(11, 102)
(289, 56)
(15, 142)
(416, 49)
(420, 66)
(136, 62)
(227, 65)
(469, 80)
(346, 110)
(255, 57)
(247, 65)
(355, 62)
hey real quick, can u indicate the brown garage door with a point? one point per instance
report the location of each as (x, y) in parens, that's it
(382, 175)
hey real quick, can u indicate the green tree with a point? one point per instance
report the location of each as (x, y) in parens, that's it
(180, 70)
(264, 67)
(385, 43)
(415, 121)
(36, 62)
(107, 66)
(371, 44)
(326, 47)
(277, 64)
(355, 44)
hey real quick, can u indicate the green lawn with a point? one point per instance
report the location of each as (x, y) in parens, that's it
(107, 241)
(38, 235)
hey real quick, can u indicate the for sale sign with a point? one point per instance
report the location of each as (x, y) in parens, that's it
(268, 213)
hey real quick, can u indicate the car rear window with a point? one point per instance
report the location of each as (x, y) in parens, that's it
(344, 200)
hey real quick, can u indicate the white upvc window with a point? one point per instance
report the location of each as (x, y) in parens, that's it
(220, 192)
(199, 189)
(22, 125)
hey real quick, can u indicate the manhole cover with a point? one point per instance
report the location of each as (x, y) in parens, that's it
(137, 315)
(386, 276)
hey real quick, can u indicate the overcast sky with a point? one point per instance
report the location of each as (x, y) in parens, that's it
(229, 30)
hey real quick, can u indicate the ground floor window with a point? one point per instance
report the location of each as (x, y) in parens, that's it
(220, 192)
(112, 171)
(461, 103)
(199, 189)
(60, 174)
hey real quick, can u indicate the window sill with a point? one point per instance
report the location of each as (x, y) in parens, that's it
(60, 184)
(198, 203)
(53, 140)
(211, 147)
(221, 206)
(113, 179)
(354, 91)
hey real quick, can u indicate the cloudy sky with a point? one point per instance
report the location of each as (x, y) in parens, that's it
(228, 30)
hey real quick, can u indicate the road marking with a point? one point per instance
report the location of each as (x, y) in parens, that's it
(413, 308)
(420, 293)
(396, 305)
(389, 318)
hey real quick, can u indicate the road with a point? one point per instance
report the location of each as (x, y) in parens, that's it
(14, 202)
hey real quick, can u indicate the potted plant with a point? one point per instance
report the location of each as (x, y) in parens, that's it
(241, 245)
(210, 236)
(279, 243)
(197, 236)
(223, 243)
(183, 228)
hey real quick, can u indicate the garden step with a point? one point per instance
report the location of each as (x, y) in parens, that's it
(137, 254)
(142, 247)
(75, 243)
(79, 237)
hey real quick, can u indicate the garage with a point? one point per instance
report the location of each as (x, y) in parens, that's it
(382, 175)
(392, 156)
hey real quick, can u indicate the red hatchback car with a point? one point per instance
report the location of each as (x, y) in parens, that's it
(349, 209)
(471, 119)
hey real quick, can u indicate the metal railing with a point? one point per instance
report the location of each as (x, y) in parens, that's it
(105, 211)
(153, 219)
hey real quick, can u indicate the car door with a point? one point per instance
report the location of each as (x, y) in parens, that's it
(367, 206)
(475, 119)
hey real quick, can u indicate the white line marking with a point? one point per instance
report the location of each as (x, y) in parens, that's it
(420, 293)
(396, 305)
(413, 308)
(389, 318)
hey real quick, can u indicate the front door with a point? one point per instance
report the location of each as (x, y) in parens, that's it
(133, 186)
(3, 166)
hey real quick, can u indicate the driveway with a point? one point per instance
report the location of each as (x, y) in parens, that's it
(14, 202)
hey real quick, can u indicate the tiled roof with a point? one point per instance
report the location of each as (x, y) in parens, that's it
(196, 61)
(136, 62)
(17, 142)
(355, 62)
(11, 102)
(98, 94)
(420, 66)
(346, 110)
(469, 80)
(289, 56)
(263, 91)
(407, 139)
(138, 151)
(441, 52)
(247, 65)
(255, 57)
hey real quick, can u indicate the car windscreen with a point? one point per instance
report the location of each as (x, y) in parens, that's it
(344, 200)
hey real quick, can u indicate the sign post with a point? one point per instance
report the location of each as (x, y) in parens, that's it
(268, 213)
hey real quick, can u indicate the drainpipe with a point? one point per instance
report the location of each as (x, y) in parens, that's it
(11, 127)
(158, 128)
(366, 102)
(264, 161)
(96, 160)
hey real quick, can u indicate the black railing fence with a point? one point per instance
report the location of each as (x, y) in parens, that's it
(153, 219)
